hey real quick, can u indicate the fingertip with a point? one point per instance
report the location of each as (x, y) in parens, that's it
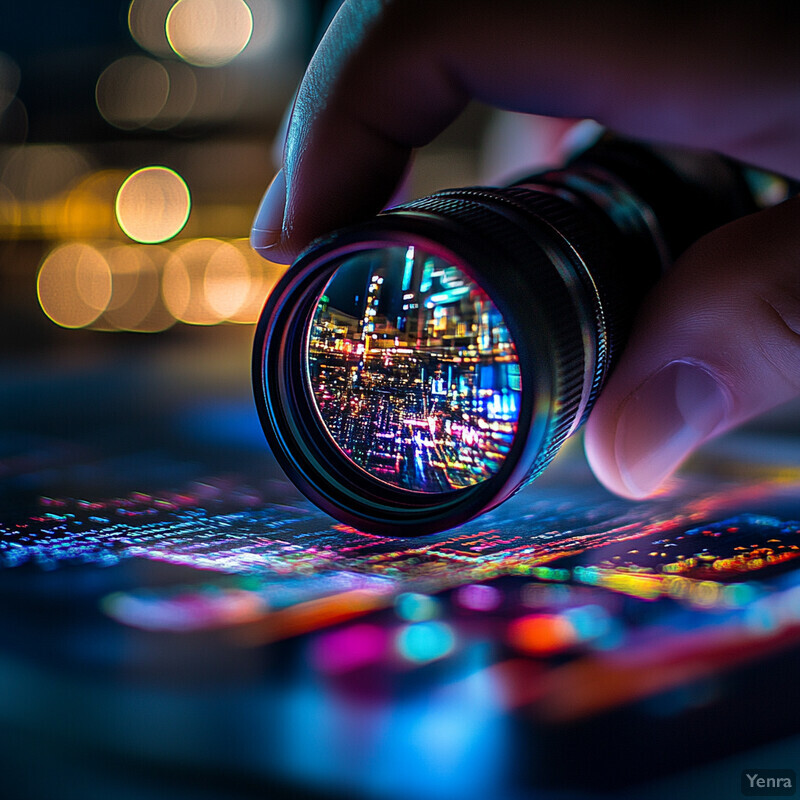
(635, 444)
(599, 447)
(267, 229)
(273, 253)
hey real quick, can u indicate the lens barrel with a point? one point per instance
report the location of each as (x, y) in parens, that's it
(412, 415)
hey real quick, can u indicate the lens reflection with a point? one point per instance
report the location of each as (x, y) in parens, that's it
(413, 370)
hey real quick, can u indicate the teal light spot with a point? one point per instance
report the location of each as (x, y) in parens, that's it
(589, 622)
(425, 641)
(415, 607)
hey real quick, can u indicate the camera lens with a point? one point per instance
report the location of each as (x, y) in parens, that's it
(415, 370)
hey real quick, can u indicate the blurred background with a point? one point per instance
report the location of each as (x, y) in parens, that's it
(136, 140)
(135, 144)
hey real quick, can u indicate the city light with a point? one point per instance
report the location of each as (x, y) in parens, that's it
(209, 33)
(419, 387)
(153, 205)
(131, 92)
(74, 285)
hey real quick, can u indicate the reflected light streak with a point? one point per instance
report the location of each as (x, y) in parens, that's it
(153, 205)
(186, 609)
(131, 92)
(209, 33)
(74, 285)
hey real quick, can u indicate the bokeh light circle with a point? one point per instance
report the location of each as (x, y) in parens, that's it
(209, 33)
(87, 211)
(132, 91)
(136, 303)
(226, 282)
(147, 21)
(181, 98)
(263, 275)
(183, 283)
(153, 205)
(74, 285)
(40, 172)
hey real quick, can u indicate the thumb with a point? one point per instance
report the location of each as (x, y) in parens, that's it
(716, 343)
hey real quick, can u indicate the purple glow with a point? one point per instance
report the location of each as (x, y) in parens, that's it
(478, 597)
(348, 649)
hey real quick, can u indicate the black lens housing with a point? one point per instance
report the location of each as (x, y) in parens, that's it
(566, 257)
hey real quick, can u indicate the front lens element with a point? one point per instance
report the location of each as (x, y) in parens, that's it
(413, 370)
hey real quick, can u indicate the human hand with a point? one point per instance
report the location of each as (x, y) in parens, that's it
(717, 341)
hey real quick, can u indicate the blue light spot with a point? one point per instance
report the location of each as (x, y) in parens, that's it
(425, 641)
(415, 607)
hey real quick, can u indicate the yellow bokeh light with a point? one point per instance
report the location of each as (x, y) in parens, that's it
(88, 209)
(74, 285)
(183, 282)
(127, 264)
(153, 205)
(135, 303)
(132, 91)
(226, 282)
(10, 216)
(209, 33)
(263, 276)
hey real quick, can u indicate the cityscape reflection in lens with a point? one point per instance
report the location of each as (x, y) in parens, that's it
(413, 370)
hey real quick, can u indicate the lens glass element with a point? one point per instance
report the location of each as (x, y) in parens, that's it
(413, 370)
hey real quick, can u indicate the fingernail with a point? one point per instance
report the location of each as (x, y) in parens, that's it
(664, 420)
(268, 223)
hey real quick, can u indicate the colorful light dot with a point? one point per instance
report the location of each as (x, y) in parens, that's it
(209, 33)
(74, 285)
(153, 205)
(542, 634)
(423, 642)
(478, 597)
(415, 607)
